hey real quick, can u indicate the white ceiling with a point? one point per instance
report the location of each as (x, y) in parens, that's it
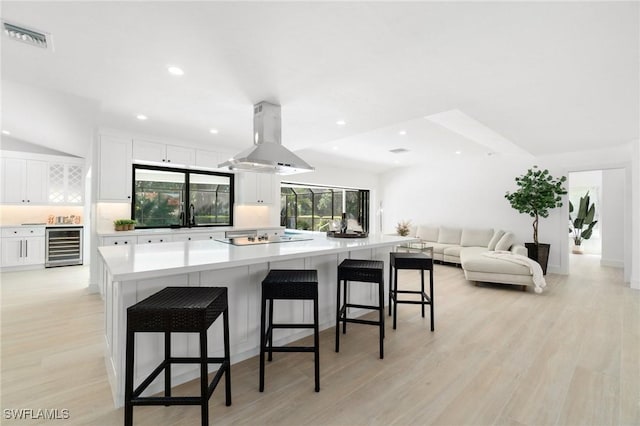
(546, 77)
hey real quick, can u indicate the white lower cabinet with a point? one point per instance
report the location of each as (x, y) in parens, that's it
(152, 239)
(198, 236)
(118, 241)
(22, 247)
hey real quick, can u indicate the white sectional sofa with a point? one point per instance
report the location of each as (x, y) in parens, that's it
(465, 247)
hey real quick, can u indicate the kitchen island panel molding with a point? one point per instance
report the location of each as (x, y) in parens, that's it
(129, 276)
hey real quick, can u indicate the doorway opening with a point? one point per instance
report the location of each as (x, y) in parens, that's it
(601, 234)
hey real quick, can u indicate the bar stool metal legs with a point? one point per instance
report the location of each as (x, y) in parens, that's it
(288, 284)
(363, 271)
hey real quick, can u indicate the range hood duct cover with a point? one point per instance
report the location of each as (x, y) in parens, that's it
(267, 155)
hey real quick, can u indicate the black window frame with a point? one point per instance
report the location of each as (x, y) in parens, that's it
(363, 202)
(187, 173)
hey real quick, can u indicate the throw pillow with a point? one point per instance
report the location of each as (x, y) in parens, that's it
(506, 241)
(496, 237)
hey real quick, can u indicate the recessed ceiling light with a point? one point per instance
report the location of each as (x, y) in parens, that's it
(341, 122)
(335, 148)
(396, 162)
(141, 117)
(213, 131)
(175, 70)
(458, 152)
(402, 132)
(6, 132)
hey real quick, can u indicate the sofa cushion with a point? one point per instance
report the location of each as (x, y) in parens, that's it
(506, 241)
(427, 233)
(440, 248)
(475, 237)
(494, 240)
(449, 235)
(452, 251)
(474, 261)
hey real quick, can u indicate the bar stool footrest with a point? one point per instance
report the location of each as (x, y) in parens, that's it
(353, 305)
(360, 321)
(135, 397)
(290, 349)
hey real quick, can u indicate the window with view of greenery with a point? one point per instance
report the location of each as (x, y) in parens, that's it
(315, 208)
(162, 197)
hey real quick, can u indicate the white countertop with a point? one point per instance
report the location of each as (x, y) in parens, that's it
(154, 260)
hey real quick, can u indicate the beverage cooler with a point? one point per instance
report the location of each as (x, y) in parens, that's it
(63, 246)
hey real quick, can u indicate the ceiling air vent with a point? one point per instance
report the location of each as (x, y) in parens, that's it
(398, 150)
(26, 35)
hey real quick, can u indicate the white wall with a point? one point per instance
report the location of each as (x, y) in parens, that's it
(612, 215)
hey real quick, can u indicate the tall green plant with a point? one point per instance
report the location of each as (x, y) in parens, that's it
(584, 217)
(537, 193)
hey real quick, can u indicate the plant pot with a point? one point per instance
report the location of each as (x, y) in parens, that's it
(119, 227)
(131, 227)
(540, 253)
(577, 250)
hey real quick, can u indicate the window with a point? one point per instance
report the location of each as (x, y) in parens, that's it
(163, 197)
(316, 208)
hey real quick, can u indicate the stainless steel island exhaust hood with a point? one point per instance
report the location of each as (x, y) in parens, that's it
(267, 155)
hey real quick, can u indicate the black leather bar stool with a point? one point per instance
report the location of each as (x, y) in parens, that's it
(288, 284)
(413, 261)
(178, 310)
(370, 271)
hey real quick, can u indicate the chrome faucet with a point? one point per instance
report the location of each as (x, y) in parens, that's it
(192, 215)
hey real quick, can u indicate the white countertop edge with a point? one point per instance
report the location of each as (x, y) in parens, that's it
(184, 230)
(215, 265)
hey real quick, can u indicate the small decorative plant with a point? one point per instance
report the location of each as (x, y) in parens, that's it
(537, 193)
(124, 224)
(403, 228)
(586, 213)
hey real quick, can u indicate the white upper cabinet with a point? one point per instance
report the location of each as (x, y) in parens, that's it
(207, 159)
(255, 188)
(66, 183)
(24, 181)
(161, 153)
(181, 155)
(115, 169)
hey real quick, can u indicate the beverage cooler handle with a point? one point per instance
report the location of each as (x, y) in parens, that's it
(20, 248)
(26, 248)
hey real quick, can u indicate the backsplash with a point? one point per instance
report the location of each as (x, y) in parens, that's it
(17, 215)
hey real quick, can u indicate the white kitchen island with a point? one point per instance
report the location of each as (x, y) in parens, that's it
(132, 273)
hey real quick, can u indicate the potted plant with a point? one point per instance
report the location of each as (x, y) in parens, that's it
(131, 224)
(403, 228)
(537, 193)
(120, 224)
(584, 217)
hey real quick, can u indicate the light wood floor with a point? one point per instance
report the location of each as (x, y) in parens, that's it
(570, 356)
